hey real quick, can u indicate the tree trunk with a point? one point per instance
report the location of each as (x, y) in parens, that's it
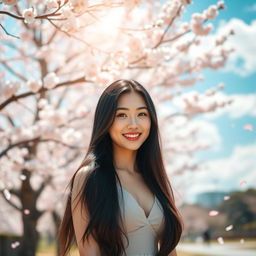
(30, 216)
(30, 237)
(57, 221)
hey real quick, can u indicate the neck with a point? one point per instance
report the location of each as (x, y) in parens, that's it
(124, 159)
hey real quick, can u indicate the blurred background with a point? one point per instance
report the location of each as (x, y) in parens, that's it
(196, 58)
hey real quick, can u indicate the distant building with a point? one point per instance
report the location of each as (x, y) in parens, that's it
(210, 199)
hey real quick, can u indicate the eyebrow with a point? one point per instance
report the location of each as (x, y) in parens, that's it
(123, 108)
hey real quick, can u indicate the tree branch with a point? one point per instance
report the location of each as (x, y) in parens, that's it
(62, 143)
(7, 33)
(42, 186)
(168, 27)
(4, 152)
(12, 15)
(37, 139)
(10, 202)
(27, 94)
(15, 192)
(13, 71)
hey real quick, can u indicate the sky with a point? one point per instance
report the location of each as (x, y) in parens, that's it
(231, 161)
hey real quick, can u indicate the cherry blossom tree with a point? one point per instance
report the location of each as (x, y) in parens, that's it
(56, 58)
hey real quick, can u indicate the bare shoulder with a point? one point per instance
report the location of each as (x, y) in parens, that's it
(81, 175)
(79, 180)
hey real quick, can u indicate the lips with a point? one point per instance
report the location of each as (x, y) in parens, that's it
(132, 136)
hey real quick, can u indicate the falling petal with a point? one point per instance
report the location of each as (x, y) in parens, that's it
(243, 182)
(242, 241)
(220, 240)
(15, 244)
(226, 198)
(7, 194)
(23, 177)
(228, 228)
(213, 213)
(26, 211)
(248, 127)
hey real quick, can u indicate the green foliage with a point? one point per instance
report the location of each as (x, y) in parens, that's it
(239, 208)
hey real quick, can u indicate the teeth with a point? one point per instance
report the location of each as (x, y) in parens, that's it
(132, 136)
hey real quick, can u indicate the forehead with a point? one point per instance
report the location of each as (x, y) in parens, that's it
(131, 100)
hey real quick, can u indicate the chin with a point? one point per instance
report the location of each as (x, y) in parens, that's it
(131, 147)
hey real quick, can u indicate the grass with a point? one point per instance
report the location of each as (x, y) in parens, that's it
(76, 254)
(188, 254)
(45, 249)
(51, 252)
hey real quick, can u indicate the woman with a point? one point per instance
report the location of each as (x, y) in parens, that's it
(121, 201)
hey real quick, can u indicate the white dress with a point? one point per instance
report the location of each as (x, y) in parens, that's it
(141, 230)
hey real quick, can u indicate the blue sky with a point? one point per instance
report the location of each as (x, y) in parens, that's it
(236, 142)
(234, 83)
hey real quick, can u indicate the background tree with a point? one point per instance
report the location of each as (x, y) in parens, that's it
(57, 57)
(241, 212)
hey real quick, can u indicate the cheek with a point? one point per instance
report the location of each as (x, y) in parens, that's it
(115, 129)
(147, 125)
(116, 126)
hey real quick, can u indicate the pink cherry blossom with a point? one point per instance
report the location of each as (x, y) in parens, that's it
(129, 5)
(243, 182)
(228, 228)
(15, 244)
(220, 5)
(23, 177)
(211, 12)
(29, 15)
(7, 194)
(79, 6)
(72, 24)
(220, 240)
(10, 88)
(51, 80)
(26, 211)
(10, 2)
(34, 85)
(51, 4)
(66, 11)
(213, 213)
(248, 127)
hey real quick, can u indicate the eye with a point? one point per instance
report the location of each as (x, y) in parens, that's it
(143, 114)
(121, 115)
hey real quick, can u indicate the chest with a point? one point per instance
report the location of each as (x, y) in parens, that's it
(135, 187)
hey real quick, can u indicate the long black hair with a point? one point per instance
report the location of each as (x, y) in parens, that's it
(99, 193)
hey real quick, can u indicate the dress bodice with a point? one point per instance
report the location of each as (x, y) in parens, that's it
(141, 230)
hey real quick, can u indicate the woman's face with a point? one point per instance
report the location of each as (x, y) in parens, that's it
(132, 122)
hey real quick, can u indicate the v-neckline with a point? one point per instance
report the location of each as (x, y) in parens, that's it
(138, 203)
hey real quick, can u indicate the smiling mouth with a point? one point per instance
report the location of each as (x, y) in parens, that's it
(132, 137)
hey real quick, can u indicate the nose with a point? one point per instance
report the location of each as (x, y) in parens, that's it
(133, 123)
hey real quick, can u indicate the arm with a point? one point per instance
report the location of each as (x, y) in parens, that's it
(173, 253)
(80, 218)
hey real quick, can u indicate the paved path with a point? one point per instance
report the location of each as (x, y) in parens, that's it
(226, 249)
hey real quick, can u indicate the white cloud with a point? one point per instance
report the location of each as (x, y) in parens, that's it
(225, 174)
(242, 60)
(208, 134)
(251, 8)
(242, 105)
